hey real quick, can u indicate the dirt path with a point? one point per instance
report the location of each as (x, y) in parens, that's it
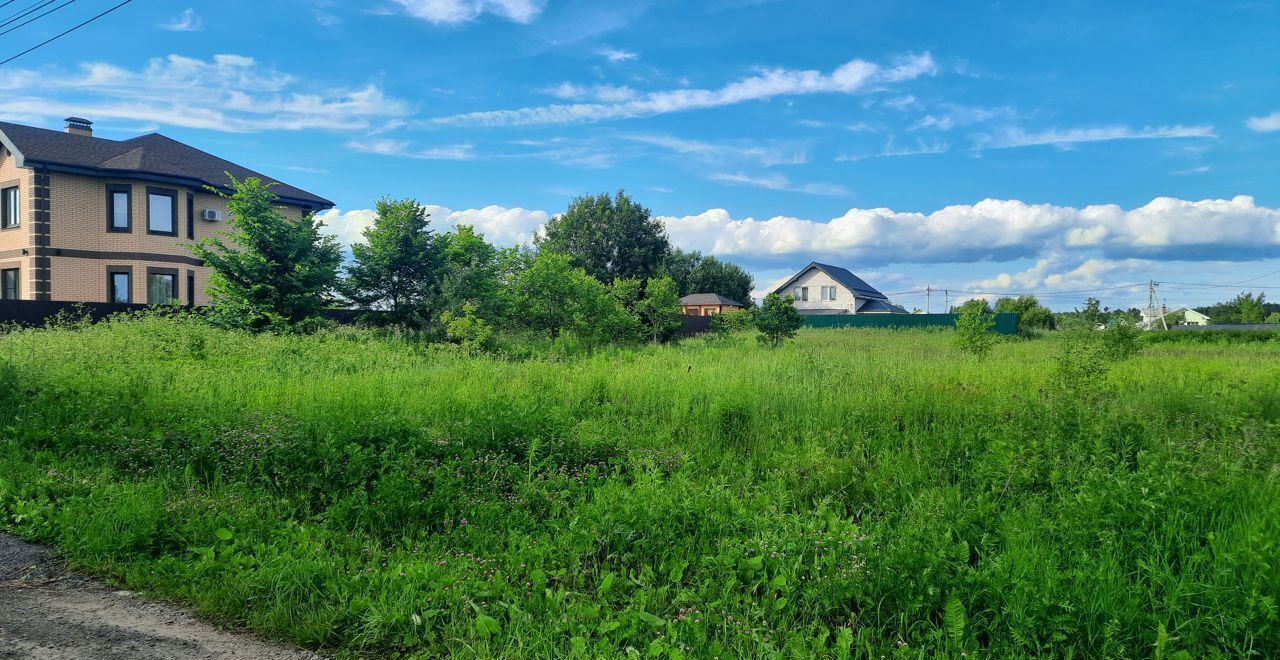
(49, 612)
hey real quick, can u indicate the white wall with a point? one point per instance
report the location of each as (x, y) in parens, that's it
(815, 279)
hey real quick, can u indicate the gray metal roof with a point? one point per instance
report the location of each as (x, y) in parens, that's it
(152, 156)
(846, 279)
(882, 306)
(708, 299)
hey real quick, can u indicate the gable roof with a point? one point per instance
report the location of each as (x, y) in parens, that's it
(841, 275)
(152, 157)
(709, 299)
(884, 306)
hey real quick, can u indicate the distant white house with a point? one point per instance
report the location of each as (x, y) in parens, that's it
(1189, 317)
(826, 289)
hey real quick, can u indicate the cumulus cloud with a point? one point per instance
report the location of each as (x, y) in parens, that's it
(855, 76)
(452, 12)
(237, 94)
(1265, 124)
(996, 230)
(1060, 137)
(187, 21)
(502, 226)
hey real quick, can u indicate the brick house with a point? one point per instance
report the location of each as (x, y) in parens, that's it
(86, 219)
(823, 289)
(706, 304)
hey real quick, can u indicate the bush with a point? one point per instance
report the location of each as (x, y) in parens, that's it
(468, 330)
(974, 330)
(777, 320)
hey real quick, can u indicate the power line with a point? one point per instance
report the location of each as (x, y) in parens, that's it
(36, 6)
(38, 17)
(64, 33)
(6, 3)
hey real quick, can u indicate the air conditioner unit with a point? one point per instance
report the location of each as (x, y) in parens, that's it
(210, 215)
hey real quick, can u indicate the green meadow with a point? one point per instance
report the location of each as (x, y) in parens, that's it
(853, 493)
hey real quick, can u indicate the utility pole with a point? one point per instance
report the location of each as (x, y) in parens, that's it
(1152, 310)
(928, 293)
(946, 301)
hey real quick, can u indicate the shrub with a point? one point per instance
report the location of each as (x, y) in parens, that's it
(777, 320)
(468, 330)
(974, 330)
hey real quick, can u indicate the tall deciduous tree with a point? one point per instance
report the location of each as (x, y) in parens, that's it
(608, 237)
(1031, 314)
(471, 273)
(398, 266)
(696, 273)
(268, 270)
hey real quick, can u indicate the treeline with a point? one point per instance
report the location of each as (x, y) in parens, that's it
(603, 271)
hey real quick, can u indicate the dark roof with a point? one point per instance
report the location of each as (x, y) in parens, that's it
(843, 276)
(709, 299)
(152, 156)
(884, 306)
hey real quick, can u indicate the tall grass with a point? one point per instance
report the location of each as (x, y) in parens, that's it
(851, 494)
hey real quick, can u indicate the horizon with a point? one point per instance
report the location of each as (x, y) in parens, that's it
(1057, 151)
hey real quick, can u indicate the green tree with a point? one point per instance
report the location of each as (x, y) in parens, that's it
(696, 273)
(975, 304)
(471, 273)
(608, 237)
(660, 308)
(777, 320)
(1250, 308)
(398, 266)
(268, 270)
(553, 296)
(1031, 314)
(974, 324)
(1092, 313)
(469, 331)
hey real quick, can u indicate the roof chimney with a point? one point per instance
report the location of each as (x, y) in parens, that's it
(79, 126)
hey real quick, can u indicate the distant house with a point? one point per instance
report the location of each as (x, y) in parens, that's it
(1152, 320)
(826, 289)
(706, 304)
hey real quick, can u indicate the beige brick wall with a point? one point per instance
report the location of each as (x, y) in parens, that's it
(13, 241)
(78, 221)
(86, 280)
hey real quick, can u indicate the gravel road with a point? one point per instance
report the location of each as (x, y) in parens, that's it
(47, 611)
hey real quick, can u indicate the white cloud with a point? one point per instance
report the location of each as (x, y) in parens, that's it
(855, 76)
(921, 147)
(601, 93)
(1192, 170)
(452, 12)
(994, 230)
(502, 226)
(1267, 124)
(766, 154)
(226, 92)
(1017, 137)
(615, 55)
(387, 147)
(779, 182)
(187, 21)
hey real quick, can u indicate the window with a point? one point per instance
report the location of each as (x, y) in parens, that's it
(118, 286)
(801, 293)
(162, 212)
(828, 293)
(9, 284)
(162, 288)
(191, 288)
(191, 217)
(10, 210)
(119, 208)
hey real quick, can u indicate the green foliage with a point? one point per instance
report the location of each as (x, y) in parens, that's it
(397, 267)
(608, 237)
(1244, 308)
(660, 308)
(975, 328)
(974, 305)
(723, 325)
(269, 271)
(552, 296)
(858, 494)
(777, 320)
(1120, 341)
(471, 274)
(467, 330)
(1031, 314)
(1273, 317)
(696, 273)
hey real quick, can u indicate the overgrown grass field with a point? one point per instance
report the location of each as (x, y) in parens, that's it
(851, 494)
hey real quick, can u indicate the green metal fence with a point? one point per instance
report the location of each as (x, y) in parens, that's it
(1006, 323)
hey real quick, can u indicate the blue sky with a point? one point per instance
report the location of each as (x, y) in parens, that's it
(1045, 147)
